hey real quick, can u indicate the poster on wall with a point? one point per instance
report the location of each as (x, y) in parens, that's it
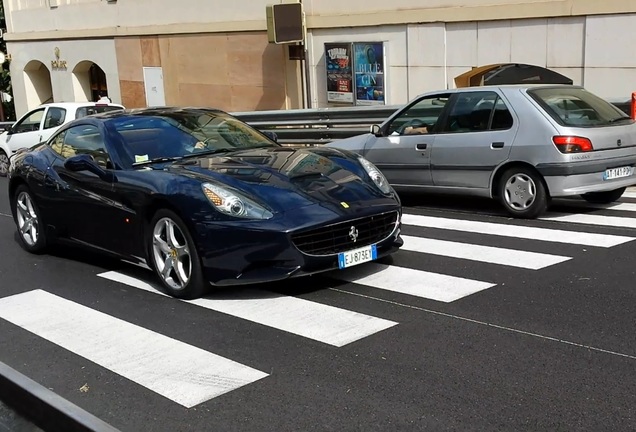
(339, 72)
(369, 73)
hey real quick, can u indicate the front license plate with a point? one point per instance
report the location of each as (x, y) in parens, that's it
(357, 256)
(615, 173)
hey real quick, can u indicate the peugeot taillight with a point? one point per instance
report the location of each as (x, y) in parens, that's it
(572, 144)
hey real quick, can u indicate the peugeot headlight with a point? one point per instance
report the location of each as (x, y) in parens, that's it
(232, 203)
(378, 178)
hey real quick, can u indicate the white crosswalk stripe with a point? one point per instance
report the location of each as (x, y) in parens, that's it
(487, 254)
(178, 371)
(417, 283)
(317, 321)
(592, 219)
(517, 231)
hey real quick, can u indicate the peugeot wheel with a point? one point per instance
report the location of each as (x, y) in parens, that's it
(174, 256)
(28, 219)
(522, 193)
(4, 164)
(604, 197)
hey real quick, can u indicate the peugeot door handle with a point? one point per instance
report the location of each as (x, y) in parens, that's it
(421, 146)
(497, 145)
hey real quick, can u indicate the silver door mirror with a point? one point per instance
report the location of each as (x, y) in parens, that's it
(376, 130)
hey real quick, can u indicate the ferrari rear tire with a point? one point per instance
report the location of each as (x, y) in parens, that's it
(607, 197)
(174, 258)
(28, 219)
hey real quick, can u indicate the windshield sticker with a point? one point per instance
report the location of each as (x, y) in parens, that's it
(141, 158)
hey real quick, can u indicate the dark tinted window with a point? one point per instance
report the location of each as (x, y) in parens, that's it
(54, 117)
(577, 107)
(90, 110)
(478, 111)
(420, 117)
(501, 118)
(83, 139)
(30, 123)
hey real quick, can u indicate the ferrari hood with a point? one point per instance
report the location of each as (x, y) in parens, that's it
(317, 175)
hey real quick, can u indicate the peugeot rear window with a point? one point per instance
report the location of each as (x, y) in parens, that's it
(576, 107)
(97, 109)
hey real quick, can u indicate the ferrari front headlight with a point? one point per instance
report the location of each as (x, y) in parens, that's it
(376, 175)
(232, 203)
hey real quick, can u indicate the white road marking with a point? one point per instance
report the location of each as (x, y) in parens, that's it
(323, 323)
(517, 231)
(487, 254)
(417, 283)
(6, 215)
(629, 194)
(183, 373)
(593, 219)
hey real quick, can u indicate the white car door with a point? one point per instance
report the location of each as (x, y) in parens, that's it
(27, 131)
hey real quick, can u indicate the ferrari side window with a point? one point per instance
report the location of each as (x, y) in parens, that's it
(57, 143)
(86, 139)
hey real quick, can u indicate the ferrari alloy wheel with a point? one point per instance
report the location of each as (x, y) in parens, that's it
(4, 164)
(174, 256)
(28, 220)
(522, 193)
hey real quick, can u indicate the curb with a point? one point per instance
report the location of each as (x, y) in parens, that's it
(44, 408)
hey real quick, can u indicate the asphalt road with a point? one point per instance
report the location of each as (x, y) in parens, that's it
(522, 326)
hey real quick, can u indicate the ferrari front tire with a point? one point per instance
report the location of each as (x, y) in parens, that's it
(28, 218)
(174, 258)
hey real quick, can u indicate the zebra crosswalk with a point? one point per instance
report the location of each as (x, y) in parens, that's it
(156, 362)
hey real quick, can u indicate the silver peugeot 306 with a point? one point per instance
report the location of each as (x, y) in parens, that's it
(522, 145)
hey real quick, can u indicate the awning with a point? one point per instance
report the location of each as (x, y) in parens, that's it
(510, 73)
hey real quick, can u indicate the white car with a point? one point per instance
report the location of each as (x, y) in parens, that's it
(40, 123)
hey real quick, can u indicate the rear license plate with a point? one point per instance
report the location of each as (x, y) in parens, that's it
(615, 173)
(357, 256)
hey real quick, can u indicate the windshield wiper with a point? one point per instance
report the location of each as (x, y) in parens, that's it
(157, 160)
(211, 152)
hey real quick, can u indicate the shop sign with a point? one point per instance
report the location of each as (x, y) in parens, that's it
(339, 72)
(369, 73)
(355, 73)
(58, 64)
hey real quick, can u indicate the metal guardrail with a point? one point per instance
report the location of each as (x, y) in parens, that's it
(317, 126)
(323, 125)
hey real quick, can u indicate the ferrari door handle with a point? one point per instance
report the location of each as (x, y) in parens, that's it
(421, 146)
(497, 145)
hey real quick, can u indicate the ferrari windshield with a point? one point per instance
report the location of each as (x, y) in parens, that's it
(176, 134)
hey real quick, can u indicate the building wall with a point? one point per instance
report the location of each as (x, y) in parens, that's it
(233, 72)
(426, 57)
(63, 83)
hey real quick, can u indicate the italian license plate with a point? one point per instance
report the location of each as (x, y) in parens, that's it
(615, 173)
(357, 256)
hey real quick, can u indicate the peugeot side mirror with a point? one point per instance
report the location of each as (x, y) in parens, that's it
(376, 130)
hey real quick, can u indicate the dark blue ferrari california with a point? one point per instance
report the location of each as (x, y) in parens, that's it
(202, 198)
